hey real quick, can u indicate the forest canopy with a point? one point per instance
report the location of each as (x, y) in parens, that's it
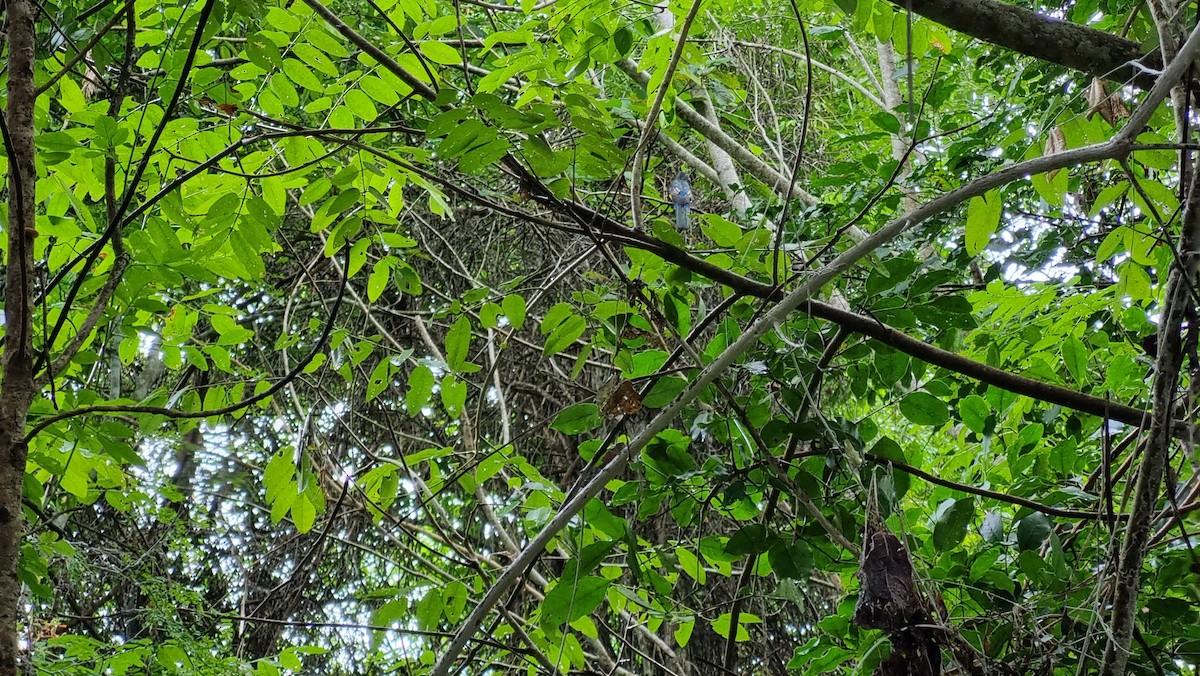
(585, 337)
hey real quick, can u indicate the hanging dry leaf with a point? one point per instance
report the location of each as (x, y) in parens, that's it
(618, 398)
(91, 86)
(1056, 142)
(889, 600)
(1109, 106)
(631, 332)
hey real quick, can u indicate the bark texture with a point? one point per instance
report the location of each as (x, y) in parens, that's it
(1077, 47)
(16, 388)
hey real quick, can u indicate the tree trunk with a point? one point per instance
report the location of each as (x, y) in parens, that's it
(16, 388)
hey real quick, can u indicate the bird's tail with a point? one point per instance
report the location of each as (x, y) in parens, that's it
(681, 217)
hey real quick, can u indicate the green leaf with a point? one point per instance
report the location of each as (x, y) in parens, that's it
(304, 514)
(751, 539)
(458, 344)
(326, 43)
(667, 456)
(792, 560)
(390, 613)
(57, 141)
(683, 632)
(298, 73)
(283, 88)
(1106, 197)
(886, 122)
(290, 660)
(378, 90)
(454, 600)
(1032, 531)
(892, 365)
(420, 388)
(922, 408)
(358, 256)
(283, 20)
(315, 59)
(381, 379)
(577, 419)
(950, 522)
(590, 558)
(467, 134)
(664, 391)
(489, 315)
(377, 282)
(75, 479)
(1135, 282)
(361, 105)
(722, 232)
(570, 600)
(819, 656)
(1075, 357)
(1064, 455)
(441, 53)
(556, 315)
(70, 96)
(454, 395)
(564, 335)
(108, 133)
(691, 565)
(983, 217)
(479, 157)
(278, 475)
(974, 410)
(721, 625)
(429, 610)
(262, 52)
(992, 529)
(623, 41)
(514, 308)
(1052, 186)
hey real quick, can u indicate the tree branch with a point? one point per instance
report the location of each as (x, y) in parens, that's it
(1067, 44)
(1005, 380)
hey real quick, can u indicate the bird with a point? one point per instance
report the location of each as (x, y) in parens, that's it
(680, 193)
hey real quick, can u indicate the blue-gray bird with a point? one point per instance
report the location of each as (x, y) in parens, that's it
(680, 194)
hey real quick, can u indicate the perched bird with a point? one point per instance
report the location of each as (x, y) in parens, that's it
(680, 194)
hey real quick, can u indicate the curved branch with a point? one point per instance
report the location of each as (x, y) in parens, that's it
(993, 495)
(931, 354)
(99, 305)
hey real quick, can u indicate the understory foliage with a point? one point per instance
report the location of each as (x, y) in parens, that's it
(336, 307)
